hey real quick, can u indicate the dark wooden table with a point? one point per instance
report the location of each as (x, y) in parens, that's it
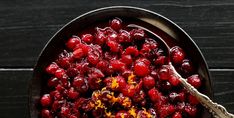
(26, 26)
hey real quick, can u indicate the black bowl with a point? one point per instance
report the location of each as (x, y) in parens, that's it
(56, 45)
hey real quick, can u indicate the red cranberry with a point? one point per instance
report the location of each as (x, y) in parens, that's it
(181, 96)
(131, 50)
(173, 96)
(194, 80)
(141, 69)
(53, 82)
(166, 110)
(164, 73)
(165, 86)
(193, 100)
(186, 67)
(72, 72)
(59, 73)
(127, 59)
(117, 65)
(80, 84)
(64, 111)
(116, 24)
(129, 91)
(137, 34)
(122, 114)
(72, 42)
(154, 94)
(138, 97)
(45, 113)
(78, 53)
(114, 46)
(87, 38)
(51, 69)
(94, 56)
(177, 55)
(161, 60)
(191, 110)
(148, 82)
(174, 80)
(124, 36)
(46, 100)
(72, 94)
(100, 37)
(177, 115)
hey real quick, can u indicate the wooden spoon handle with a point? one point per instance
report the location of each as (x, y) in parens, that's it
(217, 110)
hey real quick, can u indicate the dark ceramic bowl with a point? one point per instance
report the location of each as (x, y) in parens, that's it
(154, 20)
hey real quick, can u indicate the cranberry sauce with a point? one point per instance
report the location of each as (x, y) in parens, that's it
(111, 71)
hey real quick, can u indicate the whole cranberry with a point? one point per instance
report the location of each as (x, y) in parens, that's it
(138, 97)
(78, 53)
(191, 110)
(177, 115)
(194, 80)
(59, 73)
(102, 65)
(166, 110)
(161, 60)
(186, 67)
(165, 86)
(114, 46)
(193, 100)
(100, 37)
(94, 56)
(174, 80)
(72, 42)
(72, 72)
(117, 65)
(164, 73)
(127, 59)
(45, 113)
(87, 38)
(141, 69)
(72, 93)
(46, 100)
(154, 94)
(131, 50)
(116, 24)
(52, 68)
(53, 82)
(122, 114)
(177, 55)
(149, 82)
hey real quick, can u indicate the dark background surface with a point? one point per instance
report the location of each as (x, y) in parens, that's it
(26, 26)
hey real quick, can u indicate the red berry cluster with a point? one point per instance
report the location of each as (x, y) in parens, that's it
(118, 72)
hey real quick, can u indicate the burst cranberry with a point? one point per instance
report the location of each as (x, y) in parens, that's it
(117, 65)
(166, 110)
(127, 59)
(46, 100)
(177, 55)
(100, 37)
(45, 113)
(78, 53)
(148, 82)
(87, 38)
(80, 84)
(154, 94)
(124, 36)
(53, 82)
(72, 72)
(114, 46)
(194, 80)
(141, 69)
(137, 34)
(116, 24)
(181, 96)
(177, 115)
(59, 73)
(64, 111)
(94, 56)
(164, 73)
(161, 60)
(51, 69)
(173, 96)
(128, 91)
(72, 42)
(174, 80)
(186, 67)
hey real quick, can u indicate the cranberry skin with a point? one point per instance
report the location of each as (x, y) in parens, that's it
(51, 69)
(154, 94)
(177, 115)
(116, 24)
(177, 55)
(193, 100)
(72, 42)
(59, 73)
(72, 93)
(131, 50)
(122, 114)
(141, 69)
(124, 36)
(45, 113)
(87, 38)
(94, 56)
(137, 34)
(72, 72)
(191, 110)
(46, 100)
(149, 82)
(194, 80)
(78, 53)
(80, 84)
(174, 80)
(164, 73)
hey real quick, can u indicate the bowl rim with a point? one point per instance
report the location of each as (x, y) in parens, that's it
(118, 7)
